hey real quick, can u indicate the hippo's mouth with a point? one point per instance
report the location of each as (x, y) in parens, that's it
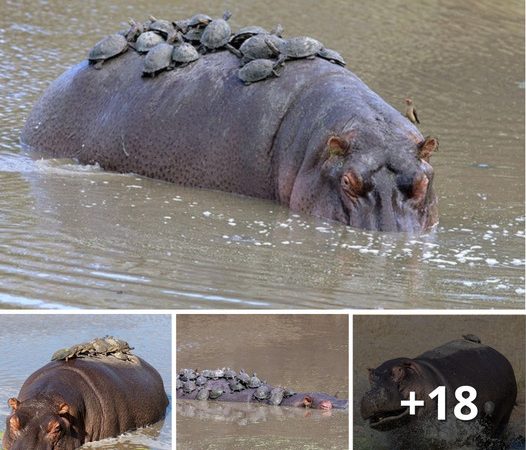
(387, 420)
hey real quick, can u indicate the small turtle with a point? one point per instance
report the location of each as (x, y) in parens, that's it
(245, 33)
(193, 35)
(187, 374)
(189, 386)
(107, 48)
(215, 374)
(331, 55)
(163, 27)
(121, 356)
(147, 41)
(203, 394)
(201, 380)
(288, 392)
(262, 392)
(230, 374)
(60, 354)
(199, 20)
(260, 46)
(472, 338)
(254, 382)
(243, 377)
(301, 47)
(178, 383)
(259, 69)
(236, 386)
(184, 54)
(135, 30)
(157, 59)
(215, 393)
(217, 34)
(182, 25)
(100, 346)
(276, 396)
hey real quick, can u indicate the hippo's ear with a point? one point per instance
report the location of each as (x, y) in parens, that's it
(307, 401)
(427, 147)
(13, 403)
(337, 146)
(63, 409)
(14, 424)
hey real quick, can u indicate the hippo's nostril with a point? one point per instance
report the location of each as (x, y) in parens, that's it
(352, 184)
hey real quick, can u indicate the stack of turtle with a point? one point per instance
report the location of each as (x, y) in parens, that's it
(169, 44)
(190, 380)
(96, 348)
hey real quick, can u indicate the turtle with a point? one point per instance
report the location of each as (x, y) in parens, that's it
(63, 353)
(201, 380)
(215, 393)
(182, 25)
(203, 394)
(472, 338)
(199, 20)
(121, 356)
(217, 34)
(288, 392)
(157, 59)
(236, 386)
(187, 374)
(135, 30)
(217, 373)
(254, 382)
(107, 48)
(276, 396)
(100, 346)
(147, 40)
(178, 384)
(183, 54)
(163, 27)
(259, 69)
(331, 56)
(230, 374)
(301, 47)
(260, 46)
(245, 33)
(243, 377)
(115, 345)
(189, 386)
(262, 392)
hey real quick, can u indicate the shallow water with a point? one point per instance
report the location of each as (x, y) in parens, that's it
(73, 236)
(28, 341)
(377, 339)
(305, 353)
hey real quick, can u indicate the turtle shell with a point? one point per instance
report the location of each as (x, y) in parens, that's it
(262, 392)
(200, 380)
(257, 70)
(164, 27)
(254, 382)
(276, 396)
(245, 33)
(243, 377)
(106, 48)
(189, 386)
(216, 34)
(230, 374)
(236, 386)
(257, 47)
(203, 394)
(332, 56)
(199, 20)
(147, 41)
(100, 346)
(301, 47)
(158, 58)
(60, 354)
(187, 374)
(215, 393)
(184, 53)
(178, 383)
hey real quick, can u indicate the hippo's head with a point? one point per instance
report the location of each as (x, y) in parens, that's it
(390, 384)
(40, 424)
(316, 400)
(370, 180)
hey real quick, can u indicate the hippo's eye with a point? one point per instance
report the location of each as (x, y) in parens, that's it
(352, 184)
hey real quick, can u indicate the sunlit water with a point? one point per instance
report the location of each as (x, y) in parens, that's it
(305, 353)
(73, 236)
(28, 341)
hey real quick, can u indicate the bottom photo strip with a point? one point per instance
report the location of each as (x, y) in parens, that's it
(229, 380)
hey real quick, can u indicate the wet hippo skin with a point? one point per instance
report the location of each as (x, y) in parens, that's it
(316, 139)
(66, 404)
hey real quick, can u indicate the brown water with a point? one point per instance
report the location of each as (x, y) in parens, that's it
(380, 338)
(306, 353)
(72, 236)
(28, 341)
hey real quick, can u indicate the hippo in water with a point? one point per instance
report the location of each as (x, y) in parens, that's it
(463, 362)
(68, 403)
(243, 388)
(316, 139)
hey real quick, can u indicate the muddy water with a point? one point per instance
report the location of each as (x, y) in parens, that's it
(72, 236)
(28, 341)
(379, 338)
(306, 353)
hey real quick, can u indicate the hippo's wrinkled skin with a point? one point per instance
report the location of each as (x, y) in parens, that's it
(316, 400)
(457, 363)
(65, 404)
(317, 139)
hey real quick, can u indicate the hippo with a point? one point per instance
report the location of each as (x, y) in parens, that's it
(316, 139)
(68, 403)
(463, 362)
(315, 400)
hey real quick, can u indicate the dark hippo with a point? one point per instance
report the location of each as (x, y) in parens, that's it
(457, 363)
(316, 400)
(66, 404)
(317, 139)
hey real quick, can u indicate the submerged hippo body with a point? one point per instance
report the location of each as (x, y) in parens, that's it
(317, 139)
(65, 404)
(457, 363)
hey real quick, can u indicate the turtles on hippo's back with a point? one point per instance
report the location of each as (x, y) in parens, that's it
(165, 28)
(254, 382)
(331, 56)
(262, 392)
(260, 69)
(260, 46)
(157, 59)
(276, 396)
(107, 48)
(301, 47)
(184, 53)
(189, 386)
(243, 377)
(215, 393)
(147, 41)
(245, 33)
(203, 394)
(217, 33)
